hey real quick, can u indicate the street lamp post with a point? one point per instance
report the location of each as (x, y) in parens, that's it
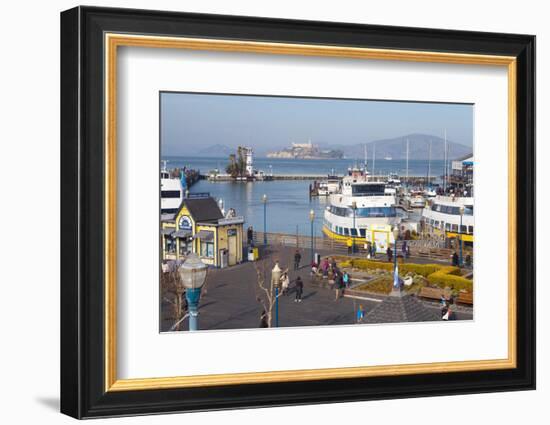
(264, 200)
(395, 274)
(193, 274)
(275, 282)
(312, 219)
(460, 261)
(354, 208)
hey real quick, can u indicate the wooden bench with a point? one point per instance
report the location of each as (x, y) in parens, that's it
(465, 298)
(434, 293)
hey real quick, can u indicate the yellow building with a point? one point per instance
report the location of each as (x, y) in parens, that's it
(199, 226)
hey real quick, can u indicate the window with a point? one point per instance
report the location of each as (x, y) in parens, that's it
(170, 194)
(454, 227)
(207, 249)
(346, 231)
(471, 229)
(368, 189)
(169, 245)
(447, 226)
(363, 233)
(353, 232)
(184, 246)
(463, 229)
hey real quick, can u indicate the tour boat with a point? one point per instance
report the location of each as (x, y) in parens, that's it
(171, 191)
(362, 211)
(442, 217)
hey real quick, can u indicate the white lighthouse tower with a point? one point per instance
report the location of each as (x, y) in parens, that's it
(249, 162)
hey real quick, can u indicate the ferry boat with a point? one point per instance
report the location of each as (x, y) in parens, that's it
(362, 211)
(171, 191)
(441, 217)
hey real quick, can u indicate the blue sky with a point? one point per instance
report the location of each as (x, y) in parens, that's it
(195, 121)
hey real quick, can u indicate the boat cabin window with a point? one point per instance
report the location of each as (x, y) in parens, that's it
(471, 229)
(363, 232)
(368, 189)
(164, 175)
(353, 232)
(170, 194)
(346, 231)
(463, 229)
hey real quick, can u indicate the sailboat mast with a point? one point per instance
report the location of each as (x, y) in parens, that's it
(445, 164)
(429, 163)
(373, 158)
(407, 160)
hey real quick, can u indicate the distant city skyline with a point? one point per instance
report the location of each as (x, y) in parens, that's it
(191, 121)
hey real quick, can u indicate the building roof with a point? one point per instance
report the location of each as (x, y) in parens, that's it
(203, 209)
(401, 308)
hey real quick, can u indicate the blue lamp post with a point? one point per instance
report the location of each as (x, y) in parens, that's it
(312, 219)
(460, 261)
(275, 283)
(395, 272)
(193, 274)
(264, 200)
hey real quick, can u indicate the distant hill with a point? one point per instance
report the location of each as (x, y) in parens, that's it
(215, 151)
(418, 148)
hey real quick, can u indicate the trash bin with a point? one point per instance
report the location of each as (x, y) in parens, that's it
(250, 254)
(223, 258)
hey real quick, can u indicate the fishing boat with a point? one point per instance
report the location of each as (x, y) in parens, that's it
(329, 186)
(415, 199)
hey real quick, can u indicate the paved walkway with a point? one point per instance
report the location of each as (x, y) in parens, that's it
(229, 298)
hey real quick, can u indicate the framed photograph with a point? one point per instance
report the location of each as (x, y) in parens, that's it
(261, 212)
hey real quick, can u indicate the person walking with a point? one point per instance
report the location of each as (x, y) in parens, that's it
(349, 244)
(338, 284)
(389, 253)
(314, 268)
(250, 236)
(297, 259)
(346, 280)
(324, 268)
(285, 283)
(373, 252)
(455, 259)
(404, 249)
(299, 285)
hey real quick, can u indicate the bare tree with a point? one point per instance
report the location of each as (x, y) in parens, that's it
(172, 291)
(265, 289)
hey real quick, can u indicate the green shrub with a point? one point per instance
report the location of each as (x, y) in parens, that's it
(449, 276)
(438, 275)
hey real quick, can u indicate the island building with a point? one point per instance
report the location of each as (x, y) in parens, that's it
(200, 226)
(306, 151)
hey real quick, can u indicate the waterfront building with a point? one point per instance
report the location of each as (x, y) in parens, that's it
(199, 226)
